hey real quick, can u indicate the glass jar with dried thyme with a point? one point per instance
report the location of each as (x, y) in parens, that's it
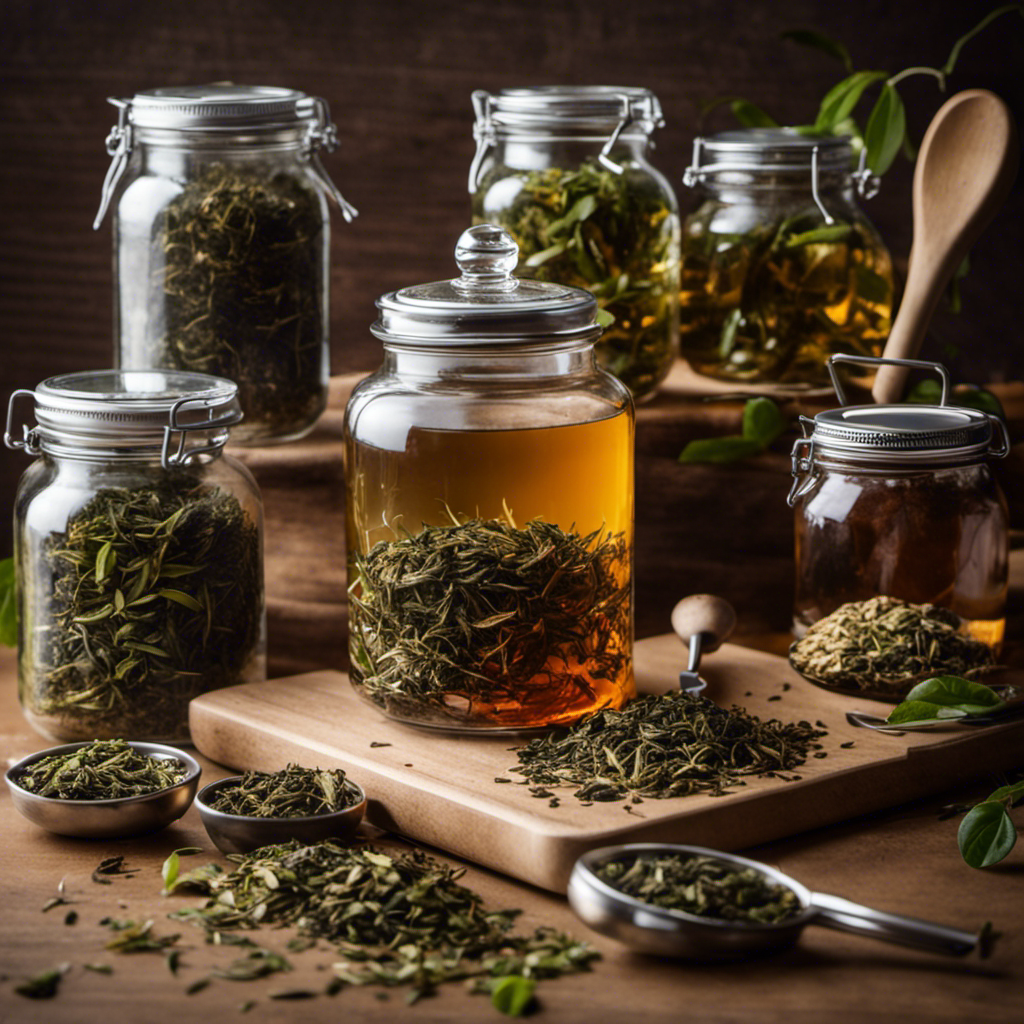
(565, 170)
(489, 470)
(779, 266)
(222, 247)
(138, 553)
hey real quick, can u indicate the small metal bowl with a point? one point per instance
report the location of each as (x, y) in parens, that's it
(240, 833)
(107, 819)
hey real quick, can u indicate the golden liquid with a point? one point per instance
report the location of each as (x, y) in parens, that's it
(579, 477)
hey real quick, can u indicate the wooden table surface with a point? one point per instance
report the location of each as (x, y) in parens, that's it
(904, 860)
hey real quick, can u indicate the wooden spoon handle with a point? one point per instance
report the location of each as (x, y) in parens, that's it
(713, 617)
(964, 172)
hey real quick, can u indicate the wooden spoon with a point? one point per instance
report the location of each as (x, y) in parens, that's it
(966, 166)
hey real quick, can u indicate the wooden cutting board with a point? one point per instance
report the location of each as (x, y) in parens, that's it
(439, 788)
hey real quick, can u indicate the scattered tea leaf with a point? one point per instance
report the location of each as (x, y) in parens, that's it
(514, 996)
(99, 968)
(114, 865)
(43, 985)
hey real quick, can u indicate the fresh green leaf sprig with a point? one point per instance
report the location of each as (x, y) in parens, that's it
(945, 697)
(885, 133)
(968, 396)
(763, 422)
(8, 608)
(987, 833)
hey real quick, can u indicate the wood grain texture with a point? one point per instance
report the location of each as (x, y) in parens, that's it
(398, 76)
(439, 788)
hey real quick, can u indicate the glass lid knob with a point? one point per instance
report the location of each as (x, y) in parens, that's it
(487, 255)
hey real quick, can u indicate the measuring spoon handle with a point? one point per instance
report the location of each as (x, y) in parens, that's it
(835, 912)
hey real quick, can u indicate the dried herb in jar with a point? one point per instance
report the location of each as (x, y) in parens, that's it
(397, 920)
(615, 235)
(239, 255)
(883, 646)
(484, 618)
(293, 792)
(704, 886)
(154, 596)
(773, 303)
(661, 746)
(101, 770)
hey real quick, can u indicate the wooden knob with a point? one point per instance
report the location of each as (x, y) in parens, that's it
(712, 616)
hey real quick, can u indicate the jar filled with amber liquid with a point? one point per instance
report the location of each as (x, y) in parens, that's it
(900, 501)
(779, 267)
(489, 470)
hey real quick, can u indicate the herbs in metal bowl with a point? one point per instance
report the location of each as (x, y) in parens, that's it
(104, 788)
(881, 647)
(244, 812)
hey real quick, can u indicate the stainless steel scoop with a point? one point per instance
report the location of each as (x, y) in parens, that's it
(651, 929)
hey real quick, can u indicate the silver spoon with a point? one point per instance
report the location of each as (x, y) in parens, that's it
(703, 622)
(651, 929)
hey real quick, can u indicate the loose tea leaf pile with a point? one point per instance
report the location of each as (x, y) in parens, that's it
(397, 920)
(661, 746)
(155, 596)
(699, 885)
(483, 612)
(293, 792)
(617, 235)
(103, 770)
(240, 254)
(883, 645)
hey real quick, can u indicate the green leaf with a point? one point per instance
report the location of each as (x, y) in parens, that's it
(986, 835)
(604, 318)
(871, 287)
(969, 396)
(169, 872)
(1008, 794)
(728, 337)
(956, 692)
(886, 129)
(840, 100)
(540, 258)
(180, 597)
(719, 450)
(990, 17)
(818, 41)
(106, 558)
(578, 212)
(922, 711)
(762, 421)
(513, 995)
(828, 234)
(751, 115)
(8, 604)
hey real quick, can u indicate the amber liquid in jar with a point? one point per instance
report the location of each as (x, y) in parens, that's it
(577, 477)
(933, 537)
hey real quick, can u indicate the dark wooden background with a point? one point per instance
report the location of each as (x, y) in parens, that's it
(398, 77)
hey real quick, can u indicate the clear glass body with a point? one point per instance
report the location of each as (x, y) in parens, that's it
(221, 266)
(770, 290)
(935, 536)
(490, 537)
(579, 223)
(138, 589)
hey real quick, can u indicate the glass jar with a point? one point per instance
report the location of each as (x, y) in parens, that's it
(564, 170)
(222, 245)
(138, 554)
(489, 470)
(780, 269)
(899, 501)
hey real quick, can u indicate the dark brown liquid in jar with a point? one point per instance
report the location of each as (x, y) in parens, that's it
(938, 536)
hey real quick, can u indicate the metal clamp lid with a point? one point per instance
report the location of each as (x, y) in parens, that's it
(221, 108)
(486, 304)
(608, 111)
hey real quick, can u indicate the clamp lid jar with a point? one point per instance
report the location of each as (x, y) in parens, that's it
(489, 470)
(138, 553)
(221, 244)
(779, 267)
(566, 171)
(899, 501)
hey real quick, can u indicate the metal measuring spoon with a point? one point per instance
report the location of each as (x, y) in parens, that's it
(703, 622)
(650, 929)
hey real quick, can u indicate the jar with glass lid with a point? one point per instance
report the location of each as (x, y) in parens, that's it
(566, 170)
(780, 269)
(900, 501)
(222, 244)
(138, 553)
(489, 470)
